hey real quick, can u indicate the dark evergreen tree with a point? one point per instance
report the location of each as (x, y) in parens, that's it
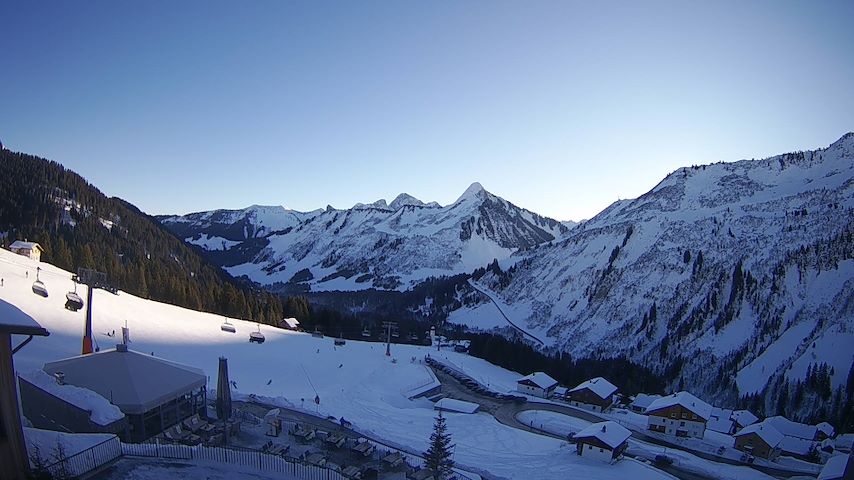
(437, 458)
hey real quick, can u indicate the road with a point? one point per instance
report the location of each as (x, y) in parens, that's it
(498, 307)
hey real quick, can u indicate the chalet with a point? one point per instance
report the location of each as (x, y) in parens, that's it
(642, 402)
(797, 448)
(838, 467)
(151, 392)
(604, 441)
(759, 440)
(538, 384)
(743, 418)
(289, 323)
(680, 414)
(560, 392)
(596, 394)
(721, 421)
(844, 442)
(800, 430)
(31, 250)
(14, 462)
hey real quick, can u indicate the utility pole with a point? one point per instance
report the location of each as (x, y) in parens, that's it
(389, 326)
(92, 279)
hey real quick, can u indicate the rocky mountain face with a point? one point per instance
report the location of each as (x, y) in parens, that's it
(390, 246)
(732, 279)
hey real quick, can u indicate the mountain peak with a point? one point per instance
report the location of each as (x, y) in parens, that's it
(848, 138)
(473, 191)
(404, 199)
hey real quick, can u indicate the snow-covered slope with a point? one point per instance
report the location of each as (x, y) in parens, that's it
(725, 273)
(376, 245)
(356, 381)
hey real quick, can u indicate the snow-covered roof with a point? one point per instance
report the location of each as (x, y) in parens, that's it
(601, 387)
(720, 420)
(792, 429)
(135, 382)
(767, 433)
(838, 467)
(539, 379)
(610, 433)
(560, 391)
(795, 445)
(13, 320)
(826, 429)
(844, 441)
(643, 400)
(744, 417)
(19, 245)
(101, 411)
(684, 399)
(291, 322)
(453, 405)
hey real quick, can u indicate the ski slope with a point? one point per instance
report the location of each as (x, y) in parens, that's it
(356, 381)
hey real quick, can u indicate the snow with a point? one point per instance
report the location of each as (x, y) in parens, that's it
(210, 242)
(46, 441)
(459, 406)
(792, 429)
(539, 379)
(601, 387)
(833, 347)
(13, 318)
(686, 400)
(611, 433)
(484, 316)
(795, 445)
(552, 422)
(356, 381)
(835, 467)
(642, 400)
(744, 417)
(101, 410)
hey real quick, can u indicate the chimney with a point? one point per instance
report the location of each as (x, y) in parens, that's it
(603, 428)
(121, 347)
(60, 378)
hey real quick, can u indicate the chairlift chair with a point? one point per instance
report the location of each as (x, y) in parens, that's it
(317, 333)
(366, 333)
(256, 337)
(73, 301)
(38, 285)
(340, 342)
(227, 327)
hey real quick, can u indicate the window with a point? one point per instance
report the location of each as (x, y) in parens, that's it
(684, 415)
(681, 424)
(589, 447)
(601, 451)
(672, 415)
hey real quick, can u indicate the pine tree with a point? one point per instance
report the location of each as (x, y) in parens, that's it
(437, 458)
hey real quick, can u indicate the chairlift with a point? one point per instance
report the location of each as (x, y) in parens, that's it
(73, 301)
(395, 334)
(413, 337)
(317, 333)
(38, 285)
(227, 327)
(340, 342)
(366, 332)
(256, 337)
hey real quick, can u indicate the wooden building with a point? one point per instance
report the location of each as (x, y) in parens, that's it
(596, 394)
(14, 462)
(604, 441)
(537, 384)
(759, 440)
(680, 414)
(31, 250)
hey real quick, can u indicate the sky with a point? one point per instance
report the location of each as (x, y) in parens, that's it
(559, 107)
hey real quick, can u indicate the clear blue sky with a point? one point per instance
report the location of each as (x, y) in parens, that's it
(560, 107)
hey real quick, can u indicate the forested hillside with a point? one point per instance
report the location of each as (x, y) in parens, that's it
(79, 226)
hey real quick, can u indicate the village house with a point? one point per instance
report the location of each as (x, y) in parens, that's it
(743, 418)
(537, 384)
(642, 401)
(680, 414)
(596, 394)
(289, 323)
(31, 250)
(604, 441)
(721, 421)
(759, 440)
(803, 431)
(14, 462)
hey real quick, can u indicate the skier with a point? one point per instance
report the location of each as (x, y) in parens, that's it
(1, 282)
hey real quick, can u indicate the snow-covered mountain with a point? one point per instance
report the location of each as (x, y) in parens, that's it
(732, 274)
(378, 245)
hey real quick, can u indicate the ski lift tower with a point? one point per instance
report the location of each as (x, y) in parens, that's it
(388, 326)
(93, 279)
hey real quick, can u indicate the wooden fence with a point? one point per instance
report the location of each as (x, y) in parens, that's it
(87, 460)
